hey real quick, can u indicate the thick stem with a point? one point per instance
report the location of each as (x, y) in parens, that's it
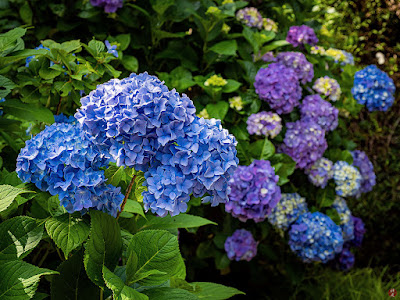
(128, 191)
(59, 106)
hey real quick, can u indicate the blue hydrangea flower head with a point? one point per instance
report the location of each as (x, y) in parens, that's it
(30, 58)
(362, 162)
(347, 178)
(264, 123)
(304, 142)
(320, 172)
(250, 16)
(241, 245)
(314, 108)
(315, 237)
(299, 63)
(279, 86)
(299, 36)
(254, 191)
(359, 231)
(344, 261)
(110, 6)
(288, 209)
(373, 88)
(61, 118)
(111, 49)
(64, 161)
(346, 223)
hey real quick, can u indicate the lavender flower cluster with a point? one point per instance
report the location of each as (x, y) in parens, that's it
(364, 165)
(345, 259)
(279, 86)
(347, 179)
(299, 36)
(320, 172)
(264, 123)
(359, 231)
(373, 88)
(304, 142)
(299, 63)
(65, 162)
(250, 16)
(241, 245)
(314, 108)
(110, 6)
(288, 209)
(346, 223)
(254, 191)
(315, 237)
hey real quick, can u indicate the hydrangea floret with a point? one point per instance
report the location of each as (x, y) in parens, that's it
(314, 108)
(264, 123)
(344, 261)
(250, 16)
(299, 63)
(61, 118)
(279, 86)
(320, 172)
(299, 36)
(366, 168)
(373, 88)
(304, 142)
(112, 49)
(269, 25)
(328, 87)
(346, 223)
(347, 179)
(359, 231)
(236, 103)
(254, 191)
(241, 246)
(315, 237)
(287, 211)
(110, 6)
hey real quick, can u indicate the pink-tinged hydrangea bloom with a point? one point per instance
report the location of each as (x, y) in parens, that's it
(241, 245)
(299, 63)
(279, 86)
(264, 123)
(298, 36)
(314, 108)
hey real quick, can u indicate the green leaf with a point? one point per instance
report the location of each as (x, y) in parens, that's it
(26, 13)
(124, 40)
(284, 166)
(96, 47)
(167, 293)
(11, 41)
(6, 85)
(73, 283)
(19, 280)
(139, 188)
(49, 73)
(228, 47)
(231, 86)
(119, 289)
(114, 175)
(104, 246)
(19, 236)
(217, 110)
(262, 149)
(134, 207)
(326, 196)
(112, 71)
(67, 232)
(160, 253)
(7, 195)
(179, 221)
(274, 45)
(130, 63)
(160, 6)
(29, 112)
(214, 291)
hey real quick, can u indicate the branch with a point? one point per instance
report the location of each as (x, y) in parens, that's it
(128, 191)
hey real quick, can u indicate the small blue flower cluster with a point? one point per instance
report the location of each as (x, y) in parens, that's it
(241, 245)
(64, 161)
(344, 261)
(315, 237)
(373, 88)
(254, 191)
(362, 162)
(299, 63)
(2, 100)
(346, 223)
(314, 108)
(111, 49)
(61, 118)
(279, 86)
(287, 211)
(347, 178)
(320, 172)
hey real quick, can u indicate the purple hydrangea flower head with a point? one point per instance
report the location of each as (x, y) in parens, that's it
(241, 245)
(304, 142)
(268, 57)
(314, 108)
(279, 86)
(346, 223)
(298, 36)
(264, 123)
(250, 16)
(320, 172)
(299, 63)
(254, 191)
(64, 161)
(110, 6)
(61, 118)
(328, 87)
(111, 49)
(373, 88)
(315, 237)
(347, 178)
(288, 209)
(366, 168)
(344, 261)
(359, 231)
(30, 58)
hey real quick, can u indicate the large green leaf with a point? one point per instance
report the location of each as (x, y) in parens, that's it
(104, 246)
(115, 174)
(228, 47)
(7, 195)
(73, 283)
(262, 149)
(167, 293)
(214, 291)
(133, 207)
(217, 110)
(119, 289)
(67, 232)
(19, 280)
(179, 221)
(6, 85)
(19, 235)
(154, 250)
(29, 112)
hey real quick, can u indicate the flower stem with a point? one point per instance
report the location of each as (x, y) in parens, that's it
(128, 191)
